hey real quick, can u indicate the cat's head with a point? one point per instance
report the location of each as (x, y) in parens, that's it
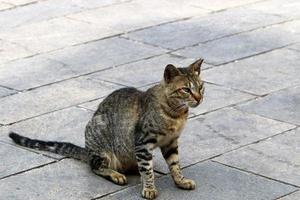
(183, 86)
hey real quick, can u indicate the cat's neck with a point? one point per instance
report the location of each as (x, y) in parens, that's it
(169, 106)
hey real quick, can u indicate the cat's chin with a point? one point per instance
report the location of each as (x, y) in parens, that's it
(194, 104)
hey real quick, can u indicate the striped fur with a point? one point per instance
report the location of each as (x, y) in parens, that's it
(62, 148)
(129, 124)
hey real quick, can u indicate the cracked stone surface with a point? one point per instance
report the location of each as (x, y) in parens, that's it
(59, 59)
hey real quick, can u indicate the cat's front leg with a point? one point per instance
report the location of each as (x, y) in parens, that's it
(143, 153)
(170, 153)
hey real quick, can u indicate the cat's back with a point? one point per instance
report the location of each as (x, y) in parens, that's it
(123, 101)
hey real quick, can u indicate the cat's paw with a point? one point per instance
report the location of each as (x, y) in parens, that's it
(186, 184)
(119, 179)
(149, 193)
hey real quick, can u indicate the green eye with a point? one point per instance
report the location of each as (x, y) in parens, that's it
(187, 90)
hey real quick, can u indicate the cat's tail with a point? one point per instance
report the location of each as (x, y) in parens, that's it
(62, 148)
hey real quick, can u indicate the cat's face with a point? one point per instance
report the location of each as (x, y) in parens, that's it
(184, 86)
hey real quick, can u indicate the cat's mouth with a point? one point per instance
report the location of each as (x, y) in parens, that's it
(194, 104)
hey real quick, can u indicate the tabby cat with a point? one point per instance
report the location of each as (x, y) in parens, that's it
(129, 124)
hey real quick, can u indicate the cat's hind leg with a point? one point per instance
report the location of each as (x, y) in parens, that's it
(101, 165)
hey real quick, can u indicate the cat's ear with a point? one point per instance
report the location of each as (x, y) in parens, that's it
(170, 72)
(195, 67)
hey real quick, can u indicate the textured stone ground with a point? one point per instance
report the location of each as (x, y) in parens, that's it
(59, 58)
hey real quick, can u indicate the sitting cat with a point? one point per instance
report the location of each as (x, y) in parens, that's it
(129, 124)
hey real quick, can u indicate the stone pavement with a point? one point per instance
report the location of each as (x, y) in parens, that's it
(59, 58)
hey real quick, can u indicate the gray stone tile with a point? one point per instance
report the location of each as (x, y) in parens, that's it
(5, 92)
(4, 6)
(288, 8)
(97, 3)
(134, 13)
(259, 75)
(66, 125)
(294, 196)
(20, 2)
(91, 105)
(10, 51)
(40, 11)
(53, 97)
(15, 160)
(204, 28)
(283, 105)
(33, 72)
(295, 47)
(218, 132)
(143, 72)
(215, 182)
(218, 4)
(243, 45)
(277, 157)
(102, 54)
(215, 96)
(54, 34)
(67, 179)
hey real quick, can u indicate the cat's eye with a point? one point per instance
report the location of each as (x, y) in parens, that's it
(187, 90)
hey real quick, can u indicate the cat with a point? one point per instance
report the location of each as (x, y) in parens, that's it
(129, 124)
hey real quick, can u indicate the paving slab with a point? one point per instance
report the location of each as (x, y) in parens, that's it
(88, 4)
(33, 72)
(66, 125)
(67, 179)
(295, 47)
(216, 97)
(54, 34)
(218, 5)
(5, 92)
(294, 196)
(134, 13)
(283, 105)
(91, 105)
(44, 69)
(288, 8)
(40, 11)
(218, 132)
(277, 157)
(214, 182)
(10, 51)
(204, 28)
(143, 72)
(243, 45)
(4, 6)
(14, 160)
(53, 97)
(259, 75)
(20, 2)
(103, 54)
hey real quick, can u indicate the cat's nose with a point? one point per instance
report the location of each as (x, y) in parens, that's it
(197, 97)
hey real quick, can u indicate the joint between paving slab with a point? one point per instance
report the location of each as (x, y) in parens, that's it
(30, 169)
(267, 117)
(287, 194)
(253, 173)
(234, 34)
